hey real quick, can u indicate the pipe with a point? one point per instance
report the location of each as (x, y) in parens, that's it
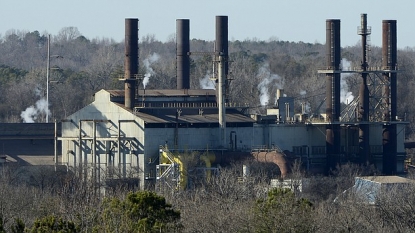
(130, 61)
(55, 145)
(94, 150)
(245, 171)
(80, 149)
(119, 145)
(182, 53)
(276, 158)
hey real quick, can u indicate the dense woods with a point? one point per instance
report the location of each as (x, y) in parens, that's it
(225, 203)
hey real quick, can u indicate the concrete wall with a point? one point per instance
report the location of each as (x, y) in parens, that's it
(192, 139)
(285, 136)
(195, 138)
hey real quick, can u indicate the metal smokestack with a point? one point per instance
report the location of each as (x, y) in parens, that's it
(221, 42)
(130, 61)
(182, 53)
(363, 113)
(333, 56)
(221, 52)
(389, 63)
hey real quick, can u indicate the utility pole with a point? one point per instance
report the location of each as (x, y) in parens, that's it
(47, 80)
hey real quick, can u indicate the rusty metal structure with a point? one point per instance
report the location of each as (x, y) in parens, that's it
(375, 105)
(273, 155)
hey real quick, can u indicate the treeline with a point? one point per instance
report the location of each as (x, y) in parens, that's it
(82, 66)
(58, 202)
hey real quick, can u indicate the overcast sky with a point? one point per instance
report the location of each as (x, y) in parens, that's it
(288, 20)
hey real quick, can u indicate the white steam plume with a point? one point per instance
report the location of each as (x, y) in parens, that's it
(207, 83)
(345, 95)
(29, 115)
(267, 78)
(305, 105)
(147, 63)
(32, 113)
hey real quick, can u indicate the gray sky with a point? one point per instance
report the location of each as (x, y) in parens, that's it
(288, 20)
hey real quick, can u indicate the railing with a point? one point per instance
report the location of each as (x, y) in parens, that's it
(264, 148)
(188, 105)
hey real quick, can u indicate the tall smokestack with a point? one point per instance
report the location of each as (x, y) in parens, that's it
(363, 113)
(221, 52)
(130, 61)
(389, 63)
(182, 53)
(333, 56)
(221, 42)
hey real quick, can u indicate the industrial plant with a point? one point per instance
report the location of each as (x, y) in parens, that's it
(160, 138)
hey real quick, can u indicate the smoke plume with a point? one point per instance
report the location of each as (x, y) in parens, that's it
(32, 113)
(207, 83)
(346, 96)
(147, 63)
(267, 79)
(306, 107)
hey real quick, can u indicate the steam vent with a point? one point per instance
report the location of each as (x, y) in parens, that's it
(146, 137)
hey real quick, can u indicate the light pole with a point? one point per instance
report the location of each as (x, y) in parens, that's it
(47, 80)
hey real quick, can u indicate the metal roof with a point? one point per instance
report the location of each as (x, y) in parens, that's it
(117, 93)
(191, 115)
(169, 116)
(28, 130)
(386, 179)
(175, 92)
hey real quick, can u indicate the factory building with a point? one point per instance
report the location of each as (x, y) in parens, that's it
(147, 136)
(125, 143)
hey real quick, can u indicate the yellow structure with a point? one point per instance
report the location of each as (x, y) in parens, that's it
(172, 170)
